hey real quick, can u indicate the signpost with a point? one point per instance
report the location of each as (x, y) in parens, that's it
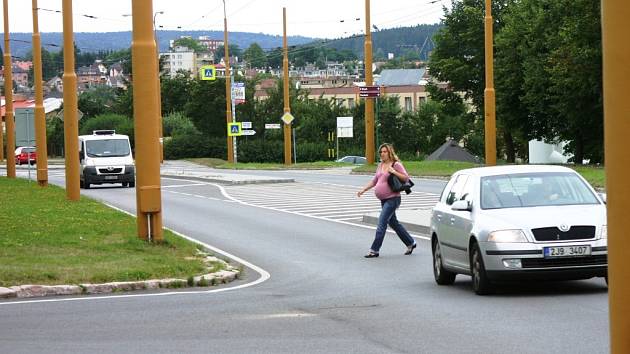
(272, 126)
(234, 129)
(207, 72)
(248, 132)
(287, 118)
(238, 92)
(246, 125)
(369, 91)
(344, 129)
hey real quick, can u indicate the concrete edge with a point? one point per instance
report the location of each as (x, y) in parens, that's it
(224, 276)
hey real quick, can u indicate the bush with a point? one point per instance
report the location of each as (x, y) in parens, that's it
(122, 125)
(260, 150)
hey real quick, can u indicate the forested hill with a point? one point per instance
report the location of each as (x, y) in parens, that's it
(107, 41)
(411, 42)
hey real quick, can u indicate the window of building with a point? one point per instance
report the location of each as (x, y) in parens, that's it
(350, 102)
(407, 103)
(422, 100)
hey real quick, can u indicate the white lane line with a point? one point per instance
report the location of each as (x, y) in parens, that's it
(184, 185)
(264, 276)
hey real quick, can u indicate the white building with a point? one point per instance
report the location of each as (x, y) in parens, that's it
(181, 58)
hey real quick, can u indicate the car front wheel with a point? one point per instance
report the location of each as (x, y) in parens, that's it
(441, 275)
(480, 282)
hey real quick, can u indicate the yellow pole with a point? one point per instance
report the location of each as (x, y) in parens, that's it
(8, 95)
(228, 87)
(40, 116)
(287, 104)
(70, 107)
(369, 102)
(159, 87)
(146, 121)
(488, 93)
(616, 56)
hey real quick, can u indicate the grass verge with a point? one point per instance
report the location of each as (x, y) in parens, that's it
(46, 239)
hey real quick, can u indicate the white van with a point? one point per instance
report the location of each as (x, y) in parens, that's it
(105, 157)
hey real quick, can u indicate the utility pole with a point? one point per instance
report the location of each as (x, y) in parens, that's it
(8, 95)
(228, 87)
(146, 121)
(287, 105)
(40, 115)
(616, 55)
(369, 103)
(159, 87)
(488, 93)
(70, 103)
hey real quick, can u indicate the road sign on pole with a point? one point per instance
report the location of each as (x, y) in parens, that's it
(272, 126)
(287, 118)
(234, 129)
(207, 72)
(248, 132)
(369, 91)
(238, 92)
(246, 125)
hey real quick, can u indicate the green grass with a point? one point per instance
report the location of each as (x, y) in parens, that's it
(218, 163)
(46, 239)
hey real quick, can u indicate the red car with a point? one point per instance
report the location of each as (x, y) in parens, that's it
(25, 154)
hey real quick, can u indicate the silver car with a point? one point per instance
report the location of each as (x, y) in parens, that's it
(518, 222)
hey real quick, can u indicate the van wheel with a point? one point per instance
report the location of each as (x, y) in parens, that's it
(132, 184)
(86, 184)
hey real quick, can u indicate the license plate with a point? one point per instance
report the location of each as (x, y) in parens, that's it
(111, 177)
(567, 251)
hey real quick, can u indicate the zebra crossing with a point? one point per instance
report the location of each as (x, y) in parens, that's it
(322, 200)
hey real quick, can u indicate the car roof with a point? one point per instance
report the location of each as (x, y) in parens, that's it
(511, 169)
(103, 137)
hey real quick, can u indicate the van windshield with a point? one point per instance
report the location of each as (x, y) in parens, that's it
(107, 148)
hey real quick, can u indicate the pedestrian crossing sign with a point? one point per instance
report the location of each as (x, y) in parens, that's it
(234, 129)
(207, 72)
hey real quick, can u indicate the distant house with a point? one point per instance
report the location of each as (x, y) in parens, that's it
(90, 75)
(406, 83)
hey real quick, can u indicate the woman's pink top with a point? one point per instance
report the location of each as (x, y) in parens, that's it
(381, 188)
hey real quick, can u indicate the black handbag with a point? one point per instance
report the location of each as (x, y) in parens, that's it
(397, 185)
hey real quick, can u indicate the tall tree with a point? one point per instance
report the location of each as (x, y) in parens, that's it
(255, 56)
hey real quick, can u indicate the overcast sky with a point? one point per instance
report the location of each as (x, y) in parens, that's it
(319, 18)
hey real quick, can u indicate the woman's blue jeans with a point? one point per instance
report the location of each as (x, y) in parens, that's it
(388, 217)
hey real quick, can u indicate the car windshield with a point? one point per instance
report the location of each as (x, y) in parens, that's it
(534, 189)
(107, 148)
(28, 149)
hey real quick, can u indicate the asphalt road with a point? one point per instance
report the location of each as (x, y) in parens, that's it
(321, 296)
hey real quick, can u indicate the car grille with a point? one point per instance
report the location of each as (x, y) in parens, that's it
(564, 262)
(554, 234)
(114, 170)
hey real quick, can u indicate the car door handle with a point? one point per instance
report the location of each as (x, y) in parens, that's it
(452, 220)
(439, 216)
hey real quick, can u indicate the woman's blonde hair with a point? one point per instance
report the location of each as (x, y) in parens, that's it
(390, 151)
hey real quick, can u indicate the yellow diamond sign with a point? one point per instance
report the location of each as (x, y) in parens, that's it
(287, 118)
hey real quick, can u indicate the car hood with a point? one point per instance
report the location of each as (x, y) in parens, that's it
(535, 217)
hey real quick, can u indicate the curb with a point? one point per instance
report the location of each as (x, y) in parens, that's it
(229, 274)
(421, 229)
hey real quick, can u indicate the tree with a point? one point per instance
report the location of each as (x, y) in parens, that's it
(190, 44)
(234, 49)
(96, 101)
(255, 56)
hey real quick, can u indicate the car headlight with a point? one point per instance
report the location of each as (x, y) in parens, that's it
(507, 236)
(604, 233)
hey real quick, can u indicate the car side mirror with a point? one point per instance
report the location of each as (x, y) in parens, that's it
(462, 205)
(603, 197)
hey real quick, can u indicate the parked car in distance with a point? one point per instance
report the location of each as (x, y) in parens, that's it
(518, 222)
(25, 154)
(357, 160)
